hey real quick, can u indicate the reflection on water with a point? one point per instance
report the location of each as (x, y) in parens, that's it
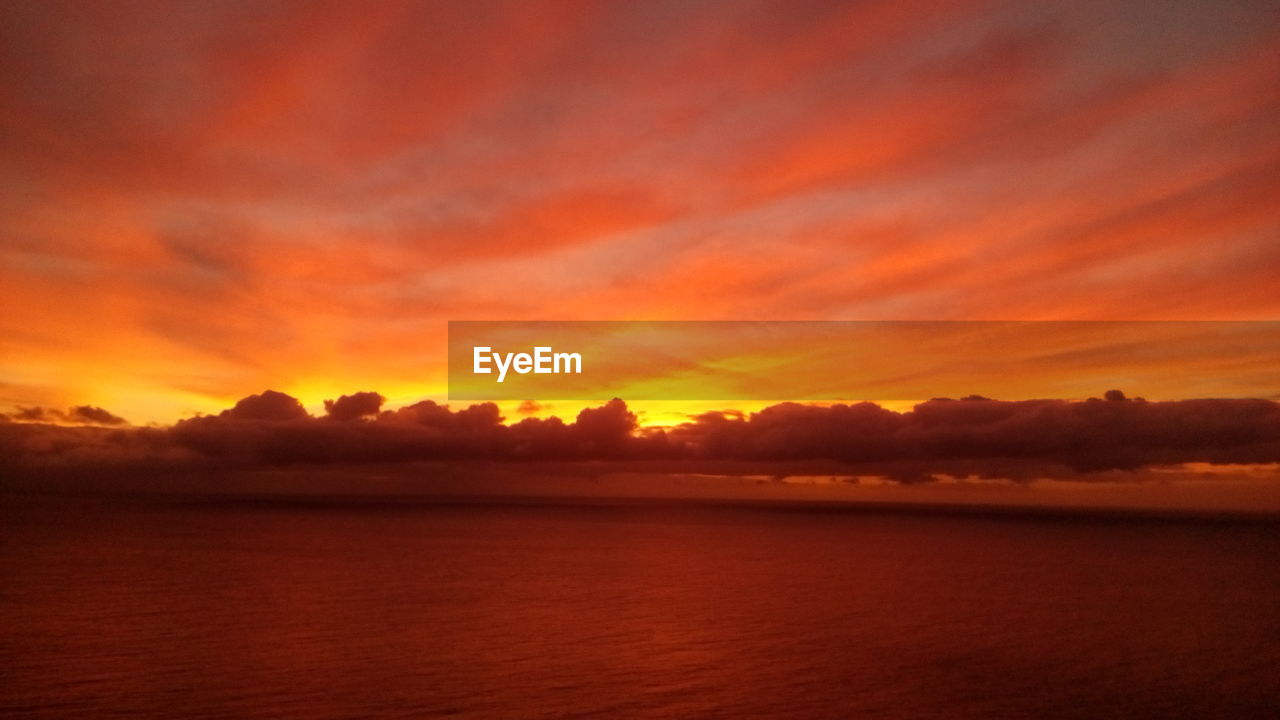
(624, 609)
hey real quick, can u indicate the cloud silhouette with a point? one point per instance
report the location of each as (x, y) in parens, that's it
(93, 415)
(77, 415)
(34, 414)
(354, 406)
(971, 436)
(1115, 433)
(269, 405)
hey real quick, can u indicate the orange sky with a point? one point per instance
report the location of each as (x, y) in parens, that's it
(202, 201)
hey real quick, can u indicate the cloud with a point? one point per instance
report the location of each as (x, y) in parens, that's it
(93, 415)
(1115, 433)
(606, 429)
(530, 407)
(317, 183)
(973, 436)
(78, 415)
(269, 405)
(35, 414)
(354, 406)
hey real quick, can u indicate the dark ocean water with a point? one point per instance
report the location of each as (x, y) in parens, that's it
(353, 608)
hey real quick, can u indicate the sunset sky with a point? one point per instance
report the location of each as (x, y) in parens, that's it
(205, 200)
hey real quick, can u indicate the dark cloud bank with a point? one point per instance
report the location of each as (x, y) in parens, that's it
(78, 415)
(974, 435)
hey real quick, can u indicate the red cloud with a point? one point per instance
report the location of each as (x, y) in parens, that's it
(320, 184)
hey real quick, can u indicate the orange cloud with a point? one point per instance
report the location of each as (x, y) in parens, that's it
(200, 201)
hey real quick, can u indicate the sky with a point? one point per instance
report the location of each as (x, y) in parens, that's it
(203, 200)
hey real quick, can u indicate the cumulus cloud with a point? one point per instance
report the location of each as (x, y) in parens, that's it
(34, 414)
(606, 429)
(1115, 433)
(269, 405)
(354, 406)
(77, 415)
(971, 436)
(93, 415)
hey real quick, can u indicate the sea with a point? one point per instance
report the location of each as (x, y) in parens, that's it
(266, 606)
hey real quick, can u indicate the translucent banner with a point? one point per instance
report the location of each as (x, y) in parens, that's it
(850, 361)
